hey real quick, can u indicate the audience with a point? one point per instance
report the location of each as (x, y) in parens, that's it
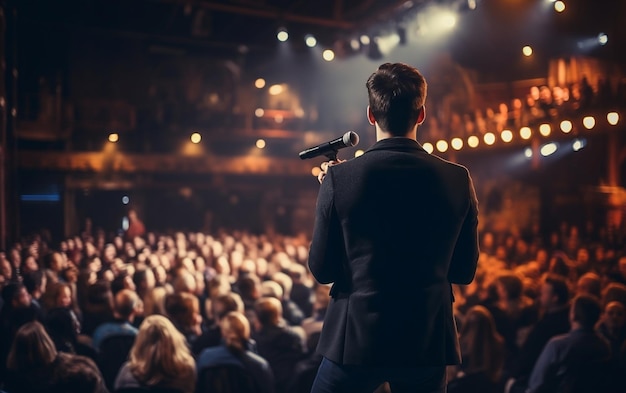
(520, 299)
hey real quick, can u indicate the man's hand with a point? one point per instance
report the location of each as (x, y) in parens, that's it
(324, 166)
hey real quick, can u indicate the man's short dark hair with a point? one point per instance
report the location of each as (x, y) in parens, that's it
(397, 93)
(33, 280)
(587, 310)
(559, 288)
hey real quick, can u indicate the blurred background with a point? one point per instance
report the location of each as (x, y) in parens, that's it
(192, 112)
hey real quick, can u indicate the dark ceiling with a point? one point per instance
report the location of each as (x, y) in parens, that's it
(485, 39)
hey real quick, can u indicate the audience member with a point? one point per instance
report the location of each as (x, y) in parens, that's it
(235, 330)
(160, 358)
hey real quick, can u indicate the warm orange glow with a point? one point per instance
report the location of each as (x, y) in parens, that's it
(114, 137)
(525, 133)
(489, 138)
(259, 83)
(473, 141)
(507, 136)
(589, 122)
(316, 171)
(545, 129)
(566, 126)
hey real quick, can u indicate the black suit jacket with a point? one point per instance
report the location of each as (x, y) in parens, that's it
(394, 228)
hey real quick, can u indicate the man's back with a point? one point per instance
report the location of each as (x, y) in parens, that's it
(401, 227)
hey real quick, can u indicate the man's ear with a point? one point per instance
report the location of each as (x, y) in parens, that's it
(370, 116)
(421, 116)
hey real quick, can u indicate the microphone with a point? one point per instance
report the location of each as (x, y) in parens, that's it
(329, 149)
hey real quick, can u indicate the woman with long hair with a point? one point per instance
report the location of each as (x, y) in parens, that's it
(34, 365)
(160, 358)
(482, 346)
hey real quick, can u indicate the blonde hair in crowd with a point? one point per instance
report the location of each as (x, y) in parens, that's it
(160, 354)
(235, 330)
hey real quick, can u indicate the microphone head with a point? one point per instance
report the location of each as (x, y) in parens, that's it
(350, 138)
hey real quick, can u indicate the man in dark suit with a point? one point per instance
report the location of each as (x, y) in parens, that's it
(394, 229)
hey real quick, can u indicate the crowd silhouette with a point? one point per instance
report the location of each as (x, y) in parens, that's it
(236, 311)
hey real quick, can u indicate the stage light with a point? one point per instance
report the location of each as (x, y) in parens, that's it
(471, 4)
(457, 143)
(589, 122)
(428, 147)
(612, 118)
(328, 55)
(559, 6)
(358, 153)
(527, 51)
(528, 152)
(566, 126)
(489, 138)
(507, 136)
(275, 90)
(603, 39)
(578, 144)
(545, 129)
(473, 141)
(196, 137)
(259, 112)
(442, 146)
(260, 144)
(365, 39)
(125, 200)
(282, 35)
(354, 44)
(114, 137)
(310, 41)
(259, 83)
(525, 133)
(548, 149)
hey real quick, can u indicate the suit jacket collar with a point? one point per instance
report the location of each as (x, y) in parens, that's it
(398, 144)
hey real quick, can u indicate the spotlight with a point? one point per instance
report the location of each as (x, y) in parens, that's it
(473, 141)
(525, 133)
(612, 118)
(310, 41)
(259, 83)
(196, 137)
(548, 149)
(527, 51)
(507, 136)
(589, 122)
(282, 34)
(260, 144)
(365, 39)
(457, 143)
(328, 55)
(566, 126)
(603, 39)
(559, 6)
(545, 129)
(528, 152)
(428, 147)
(114, 137)
(442, 146)
(489, 138)
(578, 144)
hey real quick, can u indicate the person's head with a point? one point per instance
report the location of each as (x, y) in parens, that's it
(58, 295)
(35, 282)
(614, 291)
(160, 353)
(54, 261)
(144, 279)
(590, 284)
(271, 288)
(32, 348)
(585, 311)
(397, 93)
(269, 311)
(615, 316)
(554, 292)
(126, 302)
(249, 287)
(184, 311)
(224, 304)
(16, 296)
(63, 326)
(482, 343)
(509, 286)
(235, 329)
(154, 301)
